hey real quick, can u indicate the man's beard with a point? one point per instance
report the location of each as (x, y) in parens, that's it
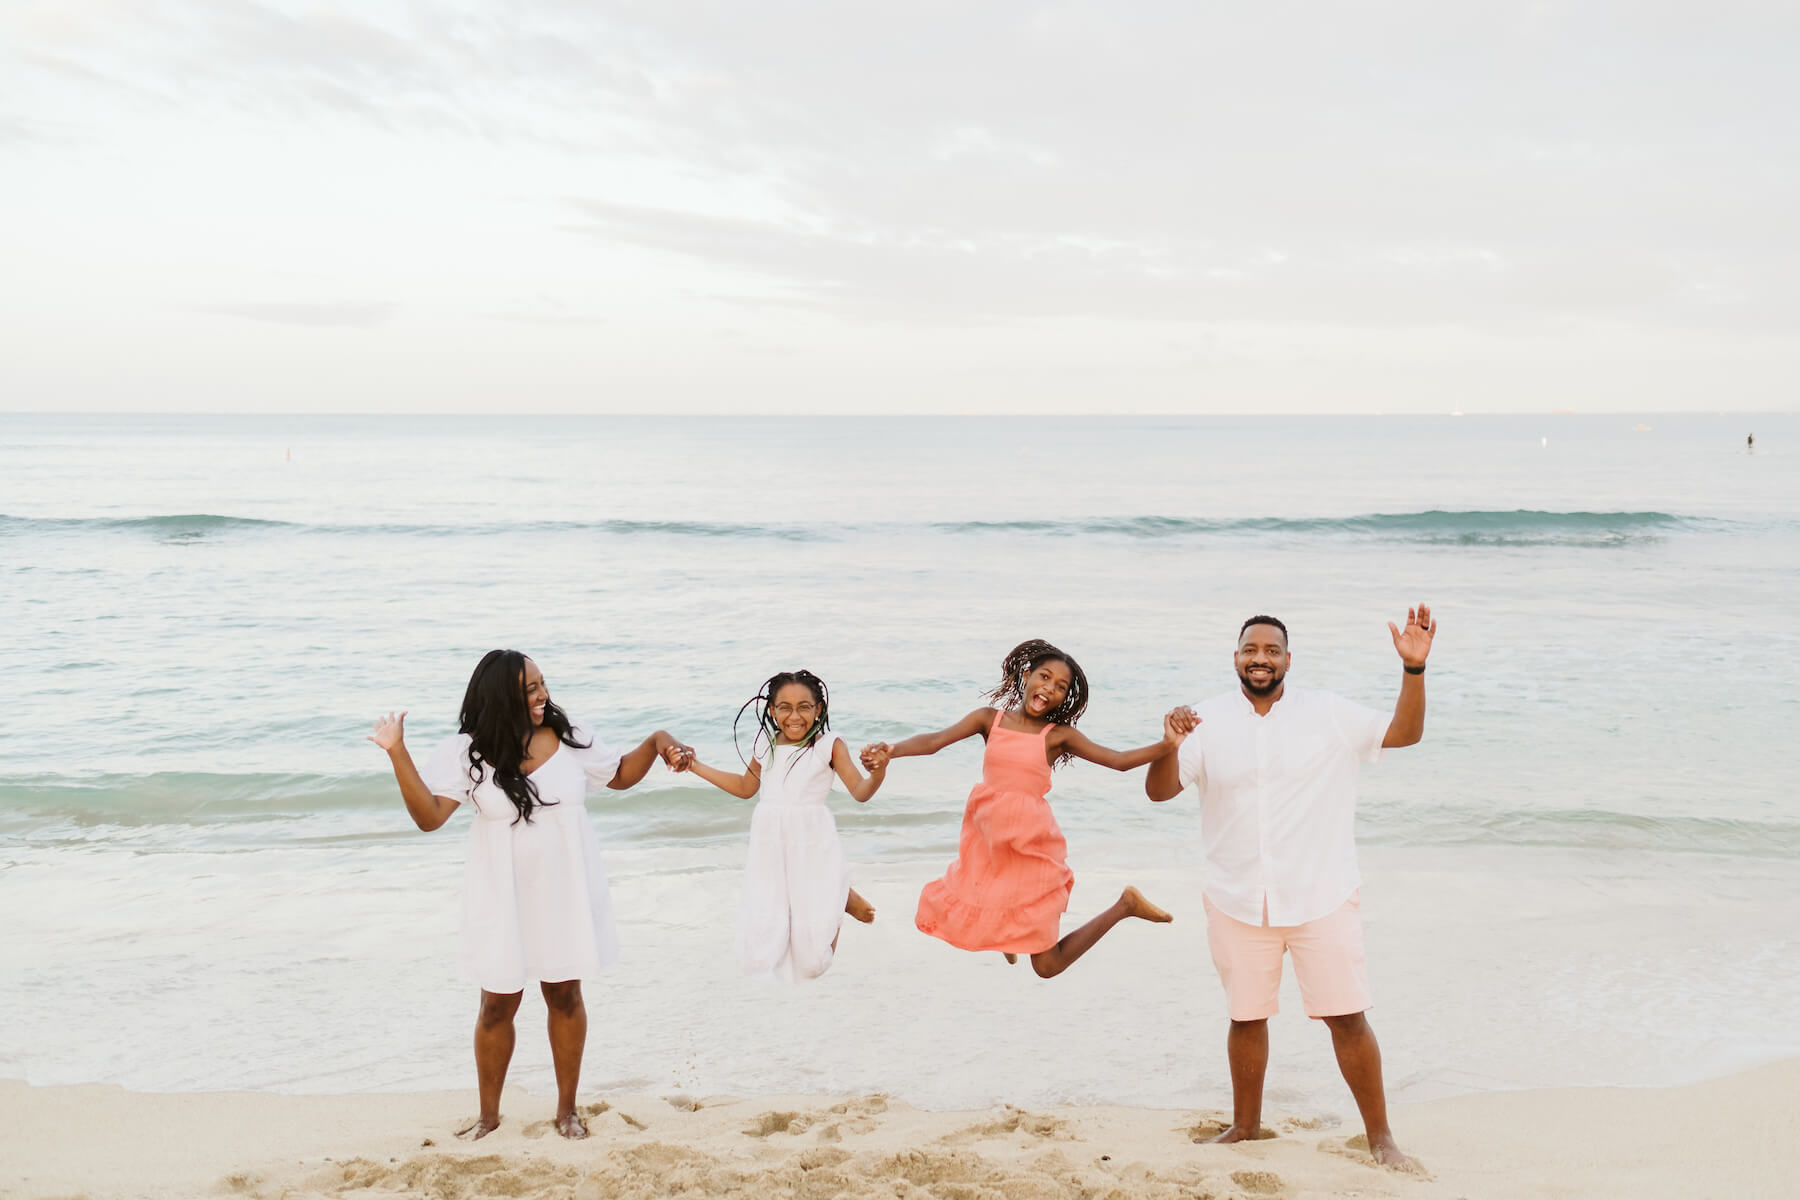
(1261, 689)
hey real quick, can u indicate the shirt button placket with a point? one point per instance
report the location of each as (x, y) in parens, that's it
(1262, 809)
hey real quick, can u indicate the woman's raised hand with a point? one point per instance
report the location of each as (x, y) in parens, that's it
(875, 756)
(677, 756)
(390, 732)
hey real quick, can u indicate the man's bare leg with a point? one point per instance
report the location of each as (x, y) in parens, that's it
(1359, 1058)
(494, 1038)
(1131, 903)
(568, 1037)
(1247, 1049)
(859, 908)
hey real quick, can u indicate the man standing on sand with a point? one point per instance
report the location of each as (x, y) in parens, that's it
(1276, 769)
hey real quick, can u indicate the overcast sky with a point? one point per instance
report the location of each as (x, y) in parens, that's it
(851, 207)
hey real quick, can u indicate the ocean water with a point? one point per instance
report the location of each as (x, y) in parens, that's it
(1588, 873)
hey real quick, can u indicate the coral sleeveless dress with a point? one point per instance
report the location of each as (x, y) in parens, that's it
(1010, 883)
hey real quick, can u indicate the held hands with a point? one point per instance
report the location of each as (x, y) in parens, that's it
(677, 756)
(875, 757)
(1177, 724)
(390, 732)
(1414, 642)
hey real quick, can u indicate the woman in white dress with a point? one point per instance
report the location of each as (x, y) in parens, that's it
(796, 882)
(535, 897)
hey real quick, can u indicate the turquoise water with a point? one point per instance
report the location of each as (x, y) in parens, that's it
(1585, 874)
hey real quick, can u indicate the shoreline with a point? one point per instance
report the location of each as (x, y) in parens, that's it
(1736, 1136)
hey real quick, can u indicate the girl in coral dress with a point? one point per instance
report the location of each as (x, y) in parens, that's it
(1010, 883)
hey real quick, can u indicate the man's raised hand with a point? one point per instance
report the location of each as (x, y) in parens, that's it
(1414, 642)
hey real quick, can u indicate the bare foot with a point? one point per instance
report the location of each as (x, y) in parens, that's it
(1137, 906)
(571, 1126)
(480, 1129)
(1237, 1133)
(1010, 956)
(859, 908)
(1387, 1153)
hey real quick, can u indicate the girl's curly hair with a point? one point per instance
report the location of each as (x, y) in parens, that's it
(1017, 667)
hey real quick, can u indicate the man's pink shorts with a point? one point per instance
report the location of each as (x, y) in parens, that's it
(1328, 962)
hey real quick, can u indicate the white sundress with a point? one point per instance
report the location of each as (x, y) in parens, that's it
(536, 904)
(795, 878)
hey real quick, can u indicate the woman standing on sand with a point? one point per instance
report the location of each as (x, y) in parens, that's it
(535, 898)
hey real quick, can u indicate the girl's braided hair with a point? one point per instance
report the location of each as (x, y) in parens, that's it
(758, 707)
(1017, 667)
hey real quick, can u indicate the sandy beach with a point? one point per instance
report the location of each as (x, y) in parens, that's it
(1732, 1139)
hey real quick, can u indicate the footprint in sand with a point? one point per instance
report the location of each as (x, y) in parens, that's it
(770, 1123)
(850, 1116)
(1261, 1183)
(1012, 1122)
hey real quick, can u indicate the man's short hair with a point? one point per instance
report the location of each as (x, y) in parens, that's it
(1264, 619)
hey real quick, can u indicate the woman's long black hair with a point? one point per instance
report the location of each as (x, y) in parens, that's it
(498, 722)
(1017, 667)
(758, 707)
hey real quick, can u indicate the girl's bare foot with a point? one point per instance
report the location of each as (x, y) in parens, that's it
(1237, 1133)
(1010, 956)
(480, 1129)
(571, 1126)
(1137, 906)
(859, 908)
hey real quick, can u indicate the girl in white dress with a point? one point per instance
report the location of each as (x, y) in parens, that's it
(535, 897)
(796, 882)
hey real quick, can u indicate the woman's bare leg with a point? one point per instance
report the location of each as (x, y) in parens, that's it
(568, 1037)
(494, 1037)
(1131, 903)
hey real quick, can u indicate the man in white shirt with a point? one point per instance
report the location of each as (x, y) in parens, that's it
(1275, 767)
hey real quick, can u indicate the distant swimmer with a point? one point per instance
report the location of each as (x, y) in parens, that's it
(1750, 442)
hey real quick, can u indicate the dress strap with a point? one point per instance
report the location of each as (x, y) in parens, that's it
(998, 713)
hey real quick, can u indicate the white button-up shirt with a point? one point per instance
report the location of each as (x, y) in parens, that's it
(1278, 801)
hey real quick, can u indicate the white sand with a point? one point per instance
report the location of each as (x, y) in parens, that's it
(1734, 1139)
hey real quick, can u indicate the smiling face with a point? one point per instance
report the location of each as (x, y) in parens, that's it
(537, 693)
(1046, 687)
(1262, 659)
(794, 710)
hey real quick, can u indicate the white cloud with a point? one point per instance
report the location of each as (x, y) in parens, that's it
(1371, 197)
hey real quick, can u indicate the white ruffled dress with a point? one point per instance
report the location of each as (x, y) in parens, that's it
(536, 903)
(796, 879)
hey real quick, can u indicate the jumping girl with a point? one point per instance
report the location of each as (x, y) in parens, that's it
(1010, 883)
(535, 898)
(796, 882)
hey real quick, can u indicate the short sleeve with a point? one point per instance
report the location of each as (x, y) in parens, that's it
(828, 747)
(599, 761)
(1362, 727)
(446, 772)
(1190, 762)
